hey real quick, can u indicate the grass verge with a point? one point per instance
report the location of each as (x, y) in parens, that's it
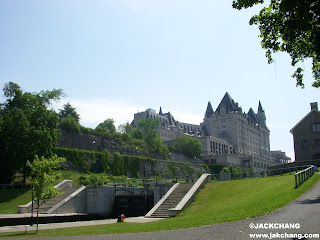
(217, 202)
(11, 198)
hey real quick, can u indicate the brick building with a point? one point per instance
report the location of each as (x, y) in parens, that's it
(306, 136)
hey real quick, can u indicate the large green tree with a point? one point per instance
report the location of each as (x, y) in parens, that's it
(106, 126)
(27, 128)
(191, 147)
(67, 111)
(147, 127)
(290, 26)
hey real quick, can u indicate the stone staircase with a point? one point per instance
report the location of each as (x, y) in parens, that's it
(172, 200)
(44, 207)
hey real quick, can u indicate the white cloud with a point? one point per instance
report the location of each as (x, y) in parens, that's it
(187, 117)
(94, 111)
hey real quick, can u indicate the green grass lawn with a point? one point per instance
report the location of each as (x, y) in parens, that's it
(217, 202)
(11, 198)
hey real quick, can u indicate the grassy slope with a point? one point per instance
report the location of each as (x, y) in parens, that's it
(11, 198)
(217, 202)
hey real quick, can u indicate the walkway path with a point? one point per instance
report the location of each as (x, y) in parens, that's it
(304, 212)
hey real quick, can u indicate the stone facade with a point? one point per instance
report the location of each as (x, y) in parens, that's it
(170, 129)
(228, 135)
(306, 136)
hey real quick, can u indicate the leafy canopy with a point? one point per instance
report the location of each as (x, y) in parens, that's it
(27, 128)
(43, 176)
(147, 130)
(290, 26)
(68, 110)
(190, 147)
(106, 126)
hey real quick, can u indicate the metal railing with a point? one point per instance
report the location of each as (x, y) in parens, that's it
(284, 170)
(303, 175)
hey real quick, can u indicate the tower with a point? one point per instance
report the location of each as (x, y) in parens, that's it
(261, 115)
(209, 111)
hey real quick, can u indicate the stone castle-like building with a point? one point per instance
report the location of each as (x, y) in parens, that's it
(228, 135)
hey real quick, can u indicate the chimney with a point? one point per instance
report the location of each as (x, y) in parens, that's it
(314, 106)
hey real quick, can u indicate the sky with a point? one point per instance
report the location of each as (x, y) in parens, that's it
(113, 58)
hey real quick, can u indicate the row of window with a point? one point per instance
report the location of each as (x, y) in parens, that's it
(220, 148)
(260, 165)
(305, 143)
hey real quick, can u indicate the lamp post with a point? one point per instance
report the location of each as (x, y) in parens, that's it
(32, 207)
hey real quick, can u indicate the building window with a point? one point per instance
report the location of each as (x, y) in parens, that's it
(317, 142)
(304, 144)
(315, 127)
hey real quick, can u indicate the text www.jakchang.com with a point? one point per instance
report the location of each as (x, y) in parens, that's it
(283, 235)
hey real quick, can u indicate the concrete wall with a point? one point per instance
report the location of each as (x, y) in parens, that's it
(74, 203)
(182, 158)
(100, 199)
(160, 190)
(89, 200)
(27, 208)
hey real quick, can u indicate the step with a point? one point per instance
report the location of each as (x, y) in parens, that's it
(172, 201)
(54, 201)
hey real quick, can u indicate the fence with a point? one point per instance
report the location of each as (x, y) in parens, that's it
(303, 175)
(280, 171)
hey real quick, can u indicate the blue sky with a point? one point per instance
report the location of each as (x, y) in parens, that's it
(116, 57)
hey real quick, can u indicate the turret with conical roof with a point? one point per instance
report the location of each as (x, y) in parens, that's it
(261, 115)
(209, 111)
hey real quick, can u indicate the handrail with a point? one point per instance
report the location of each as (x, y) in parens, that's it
(303, 175)
(283, 170)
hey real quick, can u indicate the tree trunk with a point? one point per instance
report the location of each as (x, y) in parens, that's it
(38, 214)
(24, 174)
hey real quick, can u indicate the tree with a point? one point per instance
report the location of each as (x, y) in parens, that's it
(27, 128)
(69, 123)
(137, 133)
(148, 128)
(191, 147)
(106, 126)
(68, 111)
(291, 26)
(43, 177)
(125, 128)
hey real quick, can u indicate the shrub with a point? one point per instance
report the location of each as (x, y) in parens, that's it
(70, 124)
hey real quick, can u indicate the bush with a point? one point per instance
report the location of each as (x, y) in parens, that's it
(91, 180)
(188, 146)
(189, 169)
(70, 124)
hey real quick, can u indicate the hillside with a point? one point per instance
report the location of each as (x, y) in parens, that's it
(217, 202)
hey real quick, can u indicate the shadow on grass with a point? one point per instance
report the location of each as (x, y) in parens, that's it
(9, 194)
(18, 234)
